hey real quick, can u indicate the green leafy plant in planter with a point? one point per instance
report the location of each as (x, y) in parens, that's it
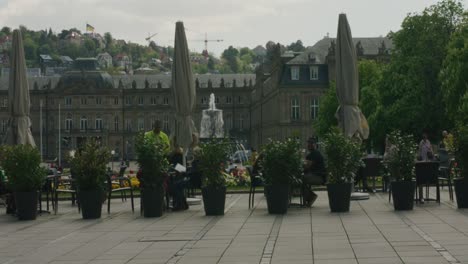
(213, 155)
(461, 157)
(282, 165)
(343, 159)
(154, 165)
(88, 167)
(21, 164)
(399, 161)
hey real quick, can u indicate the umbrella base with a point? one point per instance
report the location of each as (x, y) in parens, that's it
(359, 196)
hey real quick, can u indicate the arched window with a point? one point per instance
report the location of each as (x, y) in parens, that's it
(83, 123)
(98, 123)
(69, 122)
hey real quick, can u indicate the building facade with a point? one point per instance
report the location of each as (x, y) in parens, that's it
(286, 96)
(92, 104)
(280, 100)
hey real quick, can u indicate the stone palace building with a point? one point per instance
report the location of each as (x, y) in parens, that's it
(280, 100)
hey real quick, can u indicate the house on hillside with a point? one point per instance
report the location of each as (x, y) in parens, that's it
(104, 60)
(5, 43)
(122, 60)
(66, 61)
(4, 59)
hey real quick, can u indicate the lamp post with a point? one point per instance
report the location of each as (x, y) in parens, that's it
(112, 159)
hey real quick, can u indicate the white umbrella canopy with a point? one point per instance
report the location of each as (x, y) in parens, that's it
(19, 129)
(350, 117)
(183, 88)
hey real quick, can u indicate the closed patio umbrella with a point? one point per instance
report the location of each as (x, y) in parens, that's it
(19, 129)
(184, 89)
(350, 117)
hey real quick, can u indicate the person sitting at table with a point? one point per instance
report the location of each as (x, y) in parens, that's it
(314, 172)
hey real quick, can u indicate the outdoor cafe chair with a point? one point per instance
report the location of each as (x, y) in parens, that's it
(63, 184)
(445, 175)
(124, 184)
(372, 168)
(427, 174)
(255, 181)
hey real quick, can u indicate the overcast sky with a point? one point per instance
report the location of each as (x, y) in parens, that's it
(239, 23)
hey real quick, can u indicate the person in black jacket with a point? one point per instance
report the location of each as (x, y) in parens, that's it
(314, 172)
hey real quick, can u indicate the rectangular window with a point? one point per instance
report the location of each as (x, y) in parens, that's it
(153, 122)
(313, 72)
(204, 100)
(166, 123)
(116, 100)
(153, 100)
(228, 100)
(4, 103)
(241, 122)
(98, 100)
(68, 101)
(4, 125)
(98, 123)
(128, 125)
(314, 107)
(116, 123)
(128, 100)
(140, 100)
(84, 101)
(228, 122)
(166, 101)
(141, 124)
(295, 73)
(295, 109)
(239, 100)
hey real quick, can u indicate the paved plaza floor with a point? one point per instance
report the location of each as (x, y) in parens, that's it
(371, 233)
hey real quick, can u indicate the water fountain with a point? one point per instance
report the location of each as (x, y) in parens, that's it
(212, 125)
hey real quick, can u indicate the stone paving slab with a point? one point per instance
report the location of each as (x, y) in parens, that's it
(371, 233)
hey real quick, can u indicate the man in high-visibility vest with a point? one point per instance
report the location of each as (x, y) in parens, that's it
(159, 136)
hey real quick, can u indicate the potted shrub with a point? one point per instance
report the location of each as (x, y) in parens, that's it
(343, 159)
(400, 160)
(213, 155)
(282, 164)
(88, 168)
(152, 159)
(21, 164)
(461, 170)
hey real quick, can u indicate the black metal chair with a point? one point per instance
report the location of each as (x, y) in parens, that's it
(255, 181)
(427, 174)
(122, 188)
(64, 184)
(373, 168)
(445, 177)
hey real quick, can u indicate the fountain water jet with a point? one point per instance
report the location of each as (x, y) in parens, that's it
(212, 125)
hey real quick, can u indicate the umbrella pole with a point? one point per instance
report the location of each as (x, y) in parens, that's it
(40, 127)
(60, 141)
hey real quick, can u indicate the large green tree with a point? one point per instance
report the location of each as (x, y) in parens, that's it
(410, 89)
(454, 75)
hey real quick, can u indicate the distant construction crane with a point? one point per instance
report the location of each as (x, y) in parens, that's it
(206, 40)
(150, 36)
